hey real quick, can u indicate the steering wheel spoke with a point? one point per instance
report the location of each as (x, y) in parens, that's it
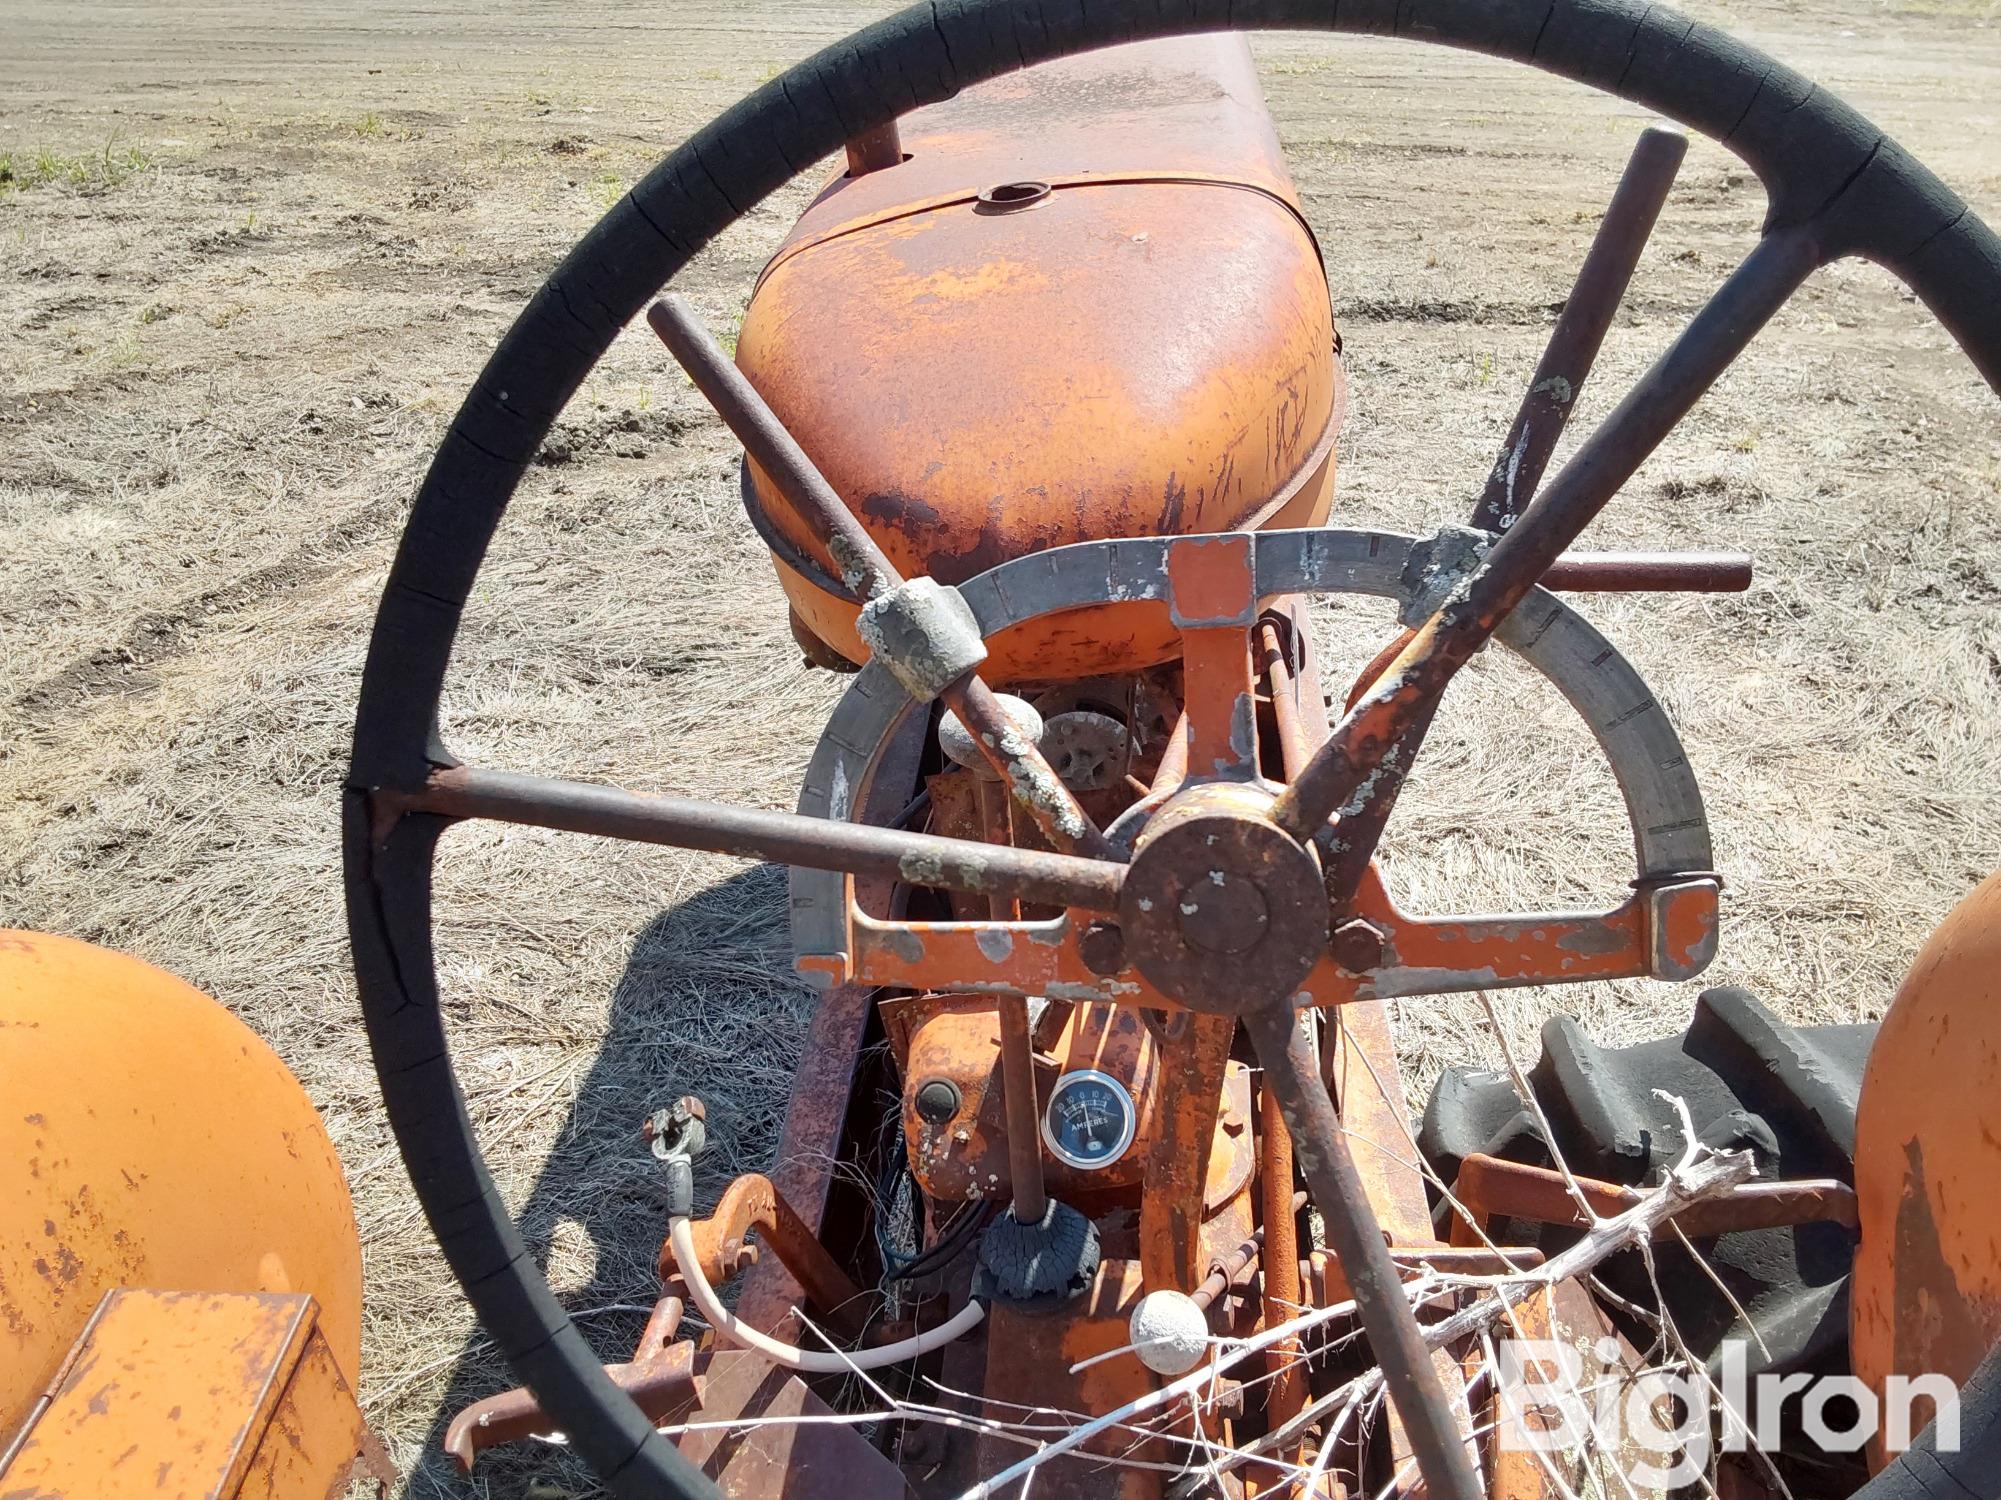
(1320, 1147)
(867, 571)
(787, 838)
(1393, 714)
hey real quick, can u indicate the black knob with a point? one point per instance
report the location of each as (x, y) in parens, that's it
(937, 1100)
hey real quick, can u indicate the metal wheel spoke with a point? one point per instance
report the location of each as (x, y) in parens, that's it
(1321, 1150)
(1587, 313)
(867, 571)
(1364, 818)
(1407, 693)
(784, 838)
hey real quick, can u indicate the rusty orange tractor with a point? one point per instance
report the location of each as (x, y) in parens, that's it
(1039, 402)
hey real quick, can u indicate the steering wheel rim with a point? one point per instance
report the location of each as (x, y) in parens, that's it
(1836, 182)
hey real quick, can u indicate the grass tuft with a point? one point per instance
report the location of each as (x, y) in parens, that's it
(86, 171)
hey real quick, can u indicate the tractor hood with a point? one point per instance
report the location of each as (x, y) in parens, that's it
(1084, 305)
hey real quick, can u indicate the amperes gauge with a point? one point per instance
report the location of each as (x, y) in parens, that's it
(1090, 1119)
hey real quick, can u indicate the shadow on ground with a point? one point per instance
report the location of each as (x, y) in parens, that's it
(707, 1005)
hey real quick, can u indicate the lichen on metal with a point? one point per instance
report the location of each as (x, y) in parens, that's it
(1439, 570)
(1035, 786)
(924, 633)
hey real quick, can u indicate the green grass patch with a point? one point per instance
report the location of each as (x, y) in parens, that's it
(87, 171)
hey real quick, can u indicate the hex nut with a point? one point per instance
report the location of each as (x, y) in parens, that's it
(1103, 948)
(1357, 946)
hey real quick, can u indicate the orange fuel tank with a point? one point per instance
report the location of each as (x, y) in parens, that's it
(150, 1140)
(1925, 1299)
(1084, 305)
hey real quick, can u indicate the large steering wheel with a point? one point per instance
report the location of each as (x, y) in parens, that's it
(1837, 186)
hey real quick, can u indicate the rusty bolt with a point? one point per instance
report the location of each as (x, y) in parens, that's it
(1103, 948)
(1357, 946)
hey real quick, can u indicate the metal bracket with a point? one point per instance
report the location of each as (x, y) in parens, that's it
(1438, 565)
(924, 633)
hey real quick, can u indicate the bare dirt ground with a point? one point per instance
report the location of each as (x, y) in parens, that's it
(249, 261)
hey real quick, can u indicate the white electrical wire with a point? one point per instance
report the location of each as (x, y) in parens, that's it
(807, 1362)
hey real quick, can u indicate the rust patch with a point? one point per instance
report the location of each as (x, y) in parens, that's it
(906, 513)
(1593, 939)
(1938, 1326)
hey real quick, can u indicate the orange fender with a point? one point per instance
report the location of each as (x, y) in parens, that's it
(149, 1139)
(1926, 1294)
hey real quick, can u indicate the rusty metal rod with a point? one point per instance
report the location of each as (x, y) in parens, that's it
(784, 838)
(866, 569)
(859, 561)
(1173, 769)
(1409, 691)
(1580, 328)
(1017, 1046)
(1492, 1188)
(1029, 777)
(1294, 751)
(1377, 666)
(1233, 1265)
(660, 1378)
(875, 149)
(1024, 1135)
(1578, 572)
(1282, 1299)
(1650, 572)
(1385, 1313)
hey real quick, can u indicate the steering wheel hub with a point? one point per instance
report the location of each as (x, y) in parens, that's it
(1223, 915)
(1221, 908)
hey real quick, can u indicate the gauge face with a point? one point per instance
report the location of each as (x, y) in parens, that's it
(1090, 1119)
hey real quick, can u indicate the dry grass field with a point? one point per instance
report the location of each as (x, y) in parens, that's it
(251, 258)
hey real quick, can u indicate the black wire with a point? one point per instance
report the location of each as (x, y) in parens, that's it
(895, 1186)
(956, 1235)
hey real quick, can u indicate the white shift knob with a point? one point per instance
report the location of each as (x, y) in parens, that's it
(1169, 1332)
